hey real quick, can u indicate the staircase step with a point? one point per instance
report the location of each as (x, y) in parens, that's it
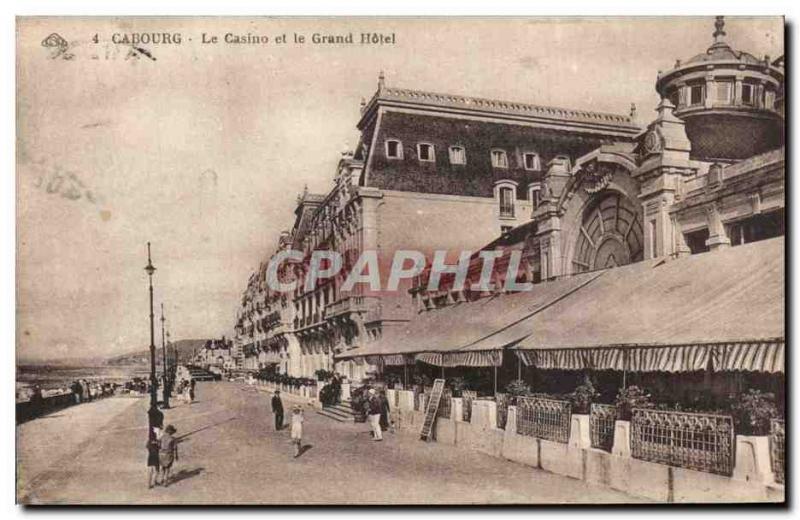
(336, 417)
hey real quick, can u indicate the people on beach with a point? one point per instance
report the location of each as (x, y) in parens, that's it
(76, 391)
(374, 407)
(153, 467)
(168, 453)
(277, 410)
(297, 429)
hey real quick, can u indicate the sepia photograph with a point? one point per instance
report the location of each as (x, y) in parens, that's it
(400, 261)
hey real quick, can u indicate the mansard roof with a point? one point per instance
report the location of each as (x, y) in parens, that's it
(526, 112)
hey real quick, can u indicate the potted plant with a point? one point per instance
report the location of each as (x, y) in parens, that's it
(753, 412)
(630, 398)
(517, 388)
(583, 395)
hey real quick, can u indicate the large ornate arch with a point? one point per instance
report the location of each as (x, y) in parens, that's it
(601, 216)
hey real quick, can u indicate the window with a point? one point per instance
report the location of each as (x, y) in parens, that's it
(499, 159)
(534, 192)
(458, 155)
(531, 161)
(757, 227)
(394, 149)
(724, 90)
(505, 229)
(696, 95)
(425, 152)
(696, 240)
(747, 94)
(506, 201)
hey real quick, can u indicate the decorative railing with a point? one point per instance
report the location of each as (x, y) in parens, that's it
(702, 442)
(601, 425)
(467, 396)
(544, 418)
(777, 448)
(501, 400)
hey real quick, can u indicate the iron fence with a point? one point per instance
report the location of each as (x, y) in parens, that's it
(467, 396)
(703, 442)
(501, 400)
(777, 448)
(601, 425)
(544, 418)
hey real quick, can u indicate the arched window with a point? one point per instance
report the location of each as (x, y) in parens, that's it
(531, 161)
(458, 155)
(506, 193)
(425, 152)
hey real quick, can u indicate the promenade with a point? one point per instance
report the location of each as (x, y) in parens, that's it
(229, 454)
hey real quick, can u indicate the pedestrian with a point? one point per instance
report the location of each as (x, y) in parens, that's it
(385, 411)
(297, 429)
(153, 467)
(187, 395)
(374, 408)
(168, 453)
(191, 390)
(277, 409)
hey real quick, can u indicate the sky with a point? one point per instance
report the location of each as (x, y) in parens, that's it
(204, 150)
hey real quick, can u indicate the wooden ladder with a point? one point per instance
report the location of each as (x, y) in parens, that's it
(431, 410)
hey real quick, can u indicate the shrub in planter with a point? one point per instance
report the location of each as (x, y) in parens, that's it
(328, 395)
(630, 398)
(752, 412)
(323, 375)
(458, 385)
(517, 388)
(583, 395)
(358, 400)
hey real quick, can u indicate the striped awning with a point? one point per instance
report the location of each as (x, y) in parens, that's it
(757, 356)
(483, 358)
(391, 360)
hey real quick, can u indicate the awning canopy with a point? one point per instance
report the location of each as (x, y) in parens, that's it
(725, 308)
(482, 327)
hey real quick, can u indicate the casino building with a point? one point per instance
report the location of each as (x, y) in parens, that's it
(579, 193)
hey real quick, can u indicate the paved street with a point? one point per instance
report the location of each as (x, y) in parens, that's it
(229, 453)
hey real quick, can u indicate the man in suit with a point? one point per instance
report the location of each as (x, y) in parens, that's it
(277, 409)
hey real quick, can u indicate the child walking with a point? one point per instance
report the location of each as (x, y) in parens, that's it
(297, 429)
(168, 453)
(152, 463)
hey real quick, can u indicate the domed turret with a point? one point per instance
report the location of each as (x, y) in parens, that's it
(727, 99)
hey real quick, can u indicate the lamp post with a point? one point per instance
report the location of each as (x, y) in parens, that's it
(154, 415)
(165, 388)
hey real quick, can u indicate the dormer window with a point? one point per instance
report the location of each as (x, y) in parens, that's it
(531, 161)
(499, 159)
(394, 149)
(458, 155)
(425, 152)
